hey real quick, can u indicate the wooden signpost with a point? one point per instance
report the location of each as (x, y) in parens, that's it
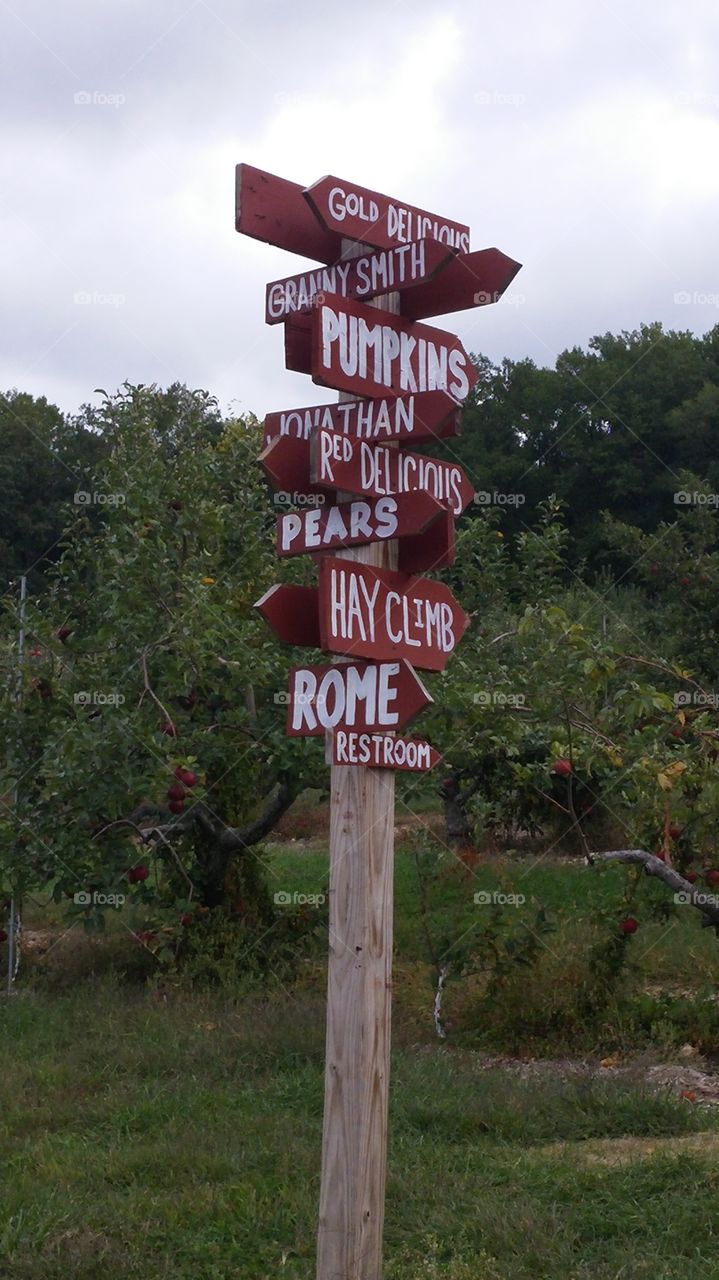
(379, 517)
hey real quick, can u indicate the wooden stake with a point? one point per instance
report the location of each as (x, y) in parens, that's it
(359, 995)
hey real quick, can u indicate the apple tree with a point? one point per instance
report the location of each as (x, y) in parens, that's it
(145, 753)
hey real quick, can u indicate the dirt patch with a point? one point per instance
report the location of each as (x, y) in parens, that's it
(692, 1082)
(618, 1151)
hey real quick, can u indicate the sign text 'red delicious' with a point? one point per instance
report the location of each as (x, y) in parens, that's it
(380, 614)
(339, 462)
(367, 352)
(364, 696)
(433, 414)
(401, 268)
(375, 219)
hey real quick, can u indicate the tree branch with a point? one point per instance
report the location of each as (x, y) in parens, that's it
(654, 866)
(228, 838)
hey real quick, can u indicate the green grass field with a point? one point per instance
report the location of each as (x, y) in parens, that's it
(157, 1132)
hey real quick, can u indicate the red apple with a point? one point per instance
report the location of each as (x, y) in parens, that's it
(176, 806)
(169, 729)
(661, 855)
(712, 877)
(63, 633)
(684, 582)
(691, 876)
(628, 925)
(136, 874)
(186, 776)
(562, 768)
(3, 935)
(176, 792)
(678, 731)
(186, 919)
(674, 831)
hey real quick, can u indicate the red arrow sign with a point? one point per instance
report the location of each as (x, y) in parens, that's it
(274, 210)
(292, 613)
(404, 267)
(470, 280)
(429, 415)
(359, 695)
(338, 462)
(381, 751)
(368, 352)
(286, 463)
(355, 523)
(379, 220)
(380, 614)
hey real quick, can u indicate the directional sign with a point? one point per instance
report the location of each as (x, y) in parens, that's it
(274, 210)
(292, 613)
(404, 267)
(340, 463)
(381, 751)
(379, 220)
(368, 352)
(286, 463)
(470, 280)
(424, 526)
(364, 696)
(355, 523)
(380, 614)
(430, 415)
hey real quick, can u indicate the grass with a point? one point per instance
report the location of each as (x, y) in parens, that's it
(155, 1138)
(156, 1132)
(666, 995)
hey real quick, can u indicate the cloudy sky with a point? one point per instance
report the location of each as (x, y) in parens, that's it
(581, 139)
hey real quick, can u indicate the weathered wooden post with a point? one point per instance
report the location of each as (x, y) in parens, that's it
(392, 517)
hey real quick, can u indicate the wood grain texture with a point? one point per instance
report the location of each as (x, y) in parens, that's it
(359, 996)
